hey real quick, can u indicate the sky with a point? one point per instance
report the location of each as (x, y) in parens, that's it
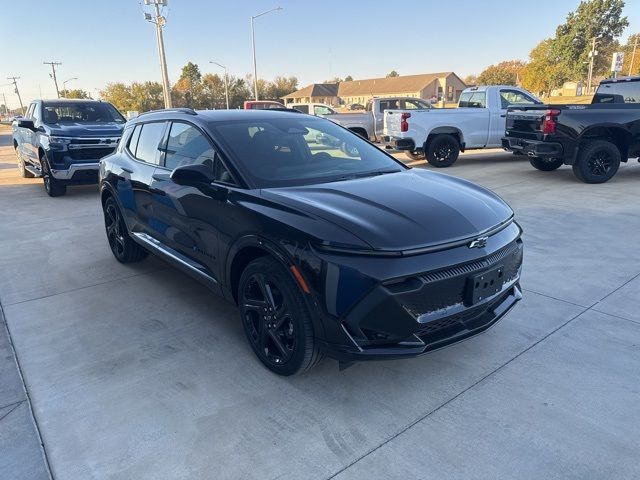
(109, 41)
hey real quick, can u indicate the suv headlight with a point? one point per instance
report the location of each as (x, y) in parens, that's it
(59, 141)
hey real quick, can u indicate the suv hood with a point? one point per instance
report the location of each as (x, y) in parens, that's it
(400, 211)
(102, 129)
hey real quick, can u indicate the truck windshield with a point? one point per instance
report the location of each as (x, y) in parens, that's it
(287, 151)
(618, 92)
(80, 112)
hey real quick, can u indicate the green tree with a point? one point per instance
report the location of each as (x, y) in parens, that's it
(75, 93)
(628, 55)
(348, 78)
(146, 96)
(543, 72)
(281, 86)
(599, 19)
(503, 73)
(186, 92)
(119, 95)
(393, 73)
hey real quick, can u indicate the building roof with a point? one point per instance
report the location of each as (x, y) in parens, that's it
(378, 86)
(316, 90)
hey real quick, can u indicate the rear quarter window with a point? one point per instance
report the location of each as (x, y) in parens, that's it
(622, 92)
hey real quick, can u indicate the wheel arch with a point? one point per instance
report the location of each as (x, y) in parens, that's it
(615, 134)
(445, 130)
(359, 131)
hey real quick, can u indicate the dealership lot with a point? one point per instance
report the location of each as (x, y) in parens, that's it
(136, 372)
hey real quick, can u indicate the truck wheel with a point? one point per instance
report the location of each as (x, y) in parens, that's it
(443, 151)
(597, 162)
(51, 185)
(415, 155)
(546, 164)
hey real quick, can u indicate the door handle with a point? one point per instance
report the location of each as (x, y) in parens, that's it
(160, 177)
(128, 170)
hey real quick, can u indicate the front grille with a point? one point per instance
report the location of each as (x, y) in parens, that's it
(90, 153)
(444, 288)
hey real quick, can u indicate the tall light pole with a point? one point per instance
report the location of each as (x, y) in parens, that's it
(253, 42)
(15, 87)
(64, 84)
(633, 55)
(53, 75)
(592, 56)
(226, 82)
(160, 21)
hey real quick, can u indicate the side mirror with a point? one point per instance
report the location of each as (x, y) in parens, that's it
(24, 123)
(193, 174)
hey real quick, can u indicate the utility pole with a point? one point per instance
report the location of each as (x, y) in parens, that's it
(253, 43)
(592, 55)
(633, 55)
(15, 85)
(160, 21)
(6, 106)
(53, 75)
(226, 82)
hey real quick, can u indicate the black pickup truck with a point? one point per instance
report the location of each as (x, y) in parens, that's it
(62, 141)
(593, 138)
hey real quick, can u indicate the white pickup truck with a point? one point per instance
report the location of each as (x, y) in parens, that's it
(441, 134)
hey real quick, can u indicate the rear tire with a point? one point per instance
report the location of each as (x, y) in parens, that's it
(51, 185)
(276, 319)
(443, 151)
(546, 164)
(597, 162)
(415, 155)
(122, 246)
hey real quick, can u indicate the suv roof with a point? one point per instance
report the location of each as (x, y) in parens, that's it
(212, 115)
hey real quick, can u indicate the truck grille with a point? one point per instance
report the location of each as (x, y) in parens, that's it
(90, 153)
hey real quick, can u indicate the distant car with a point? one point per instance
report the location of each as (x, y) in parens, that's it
(356, 106)
(63, 140)
(356, 257)
(317, 109)
(262, 105)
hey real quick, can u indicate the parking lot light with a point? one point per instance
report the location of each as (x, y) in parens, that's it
(253, 43)
(226, 84)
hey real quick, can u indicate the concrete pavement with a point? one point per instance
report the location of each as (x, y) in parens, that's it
(139, 372)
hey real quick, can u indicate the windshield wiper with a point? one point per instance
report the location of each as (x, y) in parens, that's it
(368, 174)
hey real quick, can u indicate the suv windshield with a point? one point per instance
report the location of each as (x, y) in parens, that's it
(300, 151)
(80, 112)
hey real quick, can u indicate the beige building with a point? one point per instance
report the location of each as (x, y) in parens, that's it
(443, 85)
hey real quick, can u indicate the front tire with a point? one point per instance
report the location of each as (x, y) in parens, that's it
(122, 246)
(546, 164)
(275, 318)
(51, 185)
(597, 162)
(443, 151)
(416, 155)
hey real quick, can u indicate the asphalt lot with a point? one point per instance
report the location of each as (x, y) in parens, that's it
(137, 372)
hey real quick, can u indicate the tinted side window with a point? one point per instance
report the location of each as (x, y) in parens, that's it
(30, 111)
(133, 141)
(623, 92)
(149, 141)
(513, 97)
(37, 117)
(302, 108)
(388, 105)
(186, 146)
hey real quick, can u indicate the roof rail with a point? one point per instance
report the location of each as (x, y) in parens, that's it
(188, 111)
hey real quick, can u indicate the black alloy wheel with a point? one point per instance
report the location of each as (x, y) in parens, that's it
(443, 151)
(546, 164)
(597, 162)
(51, 185)
(124, 249)
(275, 318)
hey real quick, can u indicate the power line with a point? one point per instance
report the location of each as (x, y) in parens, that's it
(53, 69)
(14, 80)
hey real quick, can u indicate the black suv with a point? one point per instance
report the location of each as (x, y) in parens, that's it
(327, 247)
(63, 140)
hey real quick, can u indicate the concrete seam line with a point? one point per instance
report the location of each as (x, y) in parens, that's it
(621, 286)
(14, 406)
(159, 269)
(616, 316)
(555, 298)
(43, 449)
(459, 394)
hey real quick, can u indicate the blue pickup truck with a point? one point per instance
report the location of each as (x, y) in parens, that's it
(62, 141)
